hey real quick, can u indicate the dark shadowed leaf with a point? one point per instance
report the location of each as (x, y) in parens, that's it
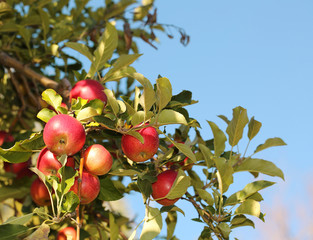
(12, 231)
(108, 192)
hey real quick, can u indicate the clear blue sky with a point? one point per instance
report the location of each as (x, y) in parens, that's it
(257, 54)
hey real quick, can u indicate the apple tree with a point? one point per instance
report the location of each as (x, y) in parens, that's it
(71, 144)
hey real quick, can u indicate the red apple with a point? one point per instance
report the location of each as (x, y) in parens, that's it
(90, 188)
(67, 233)
(5, 137)
(20, 169)
(162, 186)
(88, 89)
(48, 164)
(39, 193)
(64, 134)
(97, 159)
(140, 152)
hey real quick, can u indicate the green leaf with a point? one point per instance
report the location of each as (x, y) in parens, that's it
(44, 16)
(103, 120)
(9, 27)
(22, 150)
(81, 48)
(12, 231)
(16, 192)
(145, 188)
(140, 117)
(224, 118)
(171, 209)
(124, 172)
(136, 135)
(108, 192)
(206, 152)
(171, 221)
(114, 229)
(4, 7)
(26, 35)
(96, 104)
(104, 51)
(124, 72)
(254, 128)
(148, 98)
(250, 207)
(204, 195)
(260, 166)
(86, 114)
(41, 233)
(164, 92)
(112, 102)
(271, 142)
(152, 225)
(219, 139)
(224, 174)
(123, 61)
(52, 98)
(180, 186)
(169, 116)
(20, 220)
(249, 190)
(240, 221)
(68, 175)
(224, 229)
(70, 202)
(236, 125)
(45, 114)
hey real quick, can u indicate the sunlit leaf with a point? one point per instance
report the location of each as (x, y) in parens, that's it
(164, 92)
(152, 225)
(180, 186)
(219, 139)
(224, 174)
(254, 128)
(250, 207)
(81, 48)
(45, 114)
(52, 98)
(271, 142)
(20, 220)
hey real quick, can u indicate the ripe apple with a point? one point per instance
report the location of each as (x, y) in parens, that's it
(49, 165)
(67, 233)
(90, 187)
(64, 134)
(5, 137)
(88, 89)
(138, 152)
(20, 169)
(39, 193)
(162, 186)
(97, 159)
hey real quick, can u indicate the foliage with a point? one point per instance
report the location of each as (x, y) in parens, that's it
(41, 33)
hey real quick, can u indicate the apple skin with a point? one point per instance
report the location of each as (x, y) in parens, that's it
(138, 152)
(49, 165)
(88, 89)
(90, 187)
(97, 160)
(39, 193)
(64, 134)
(20, 169)
(5, 137)
(64, 233)
(162, 186)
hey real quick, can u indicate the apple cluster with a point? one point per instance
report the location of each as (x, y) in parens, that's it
(65, 135)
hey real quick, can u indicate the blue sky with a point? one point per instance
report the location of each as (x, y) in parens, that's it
(256, 54)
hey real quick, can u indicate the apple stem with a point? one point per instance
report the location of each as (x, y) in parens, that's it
(80, 176)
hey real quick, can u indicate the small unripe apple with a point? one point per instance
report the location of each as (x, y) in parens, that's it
(162, 186)
(97, 159)
(88, 89)
(140, 152)
(67, 234)
(90, 187)
(48, 163)
(64, 134)
(39, 193)
(20, 169)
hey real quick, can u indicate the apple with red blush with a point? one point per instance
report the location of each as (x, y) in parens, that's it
(48, 163)
(162, 186)
(5, 137)
(88, 89)
(64, 134)
(19, 169)
(90, 187)
(97, 159)
(39, 193)
(67, 233)
(137, 151)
